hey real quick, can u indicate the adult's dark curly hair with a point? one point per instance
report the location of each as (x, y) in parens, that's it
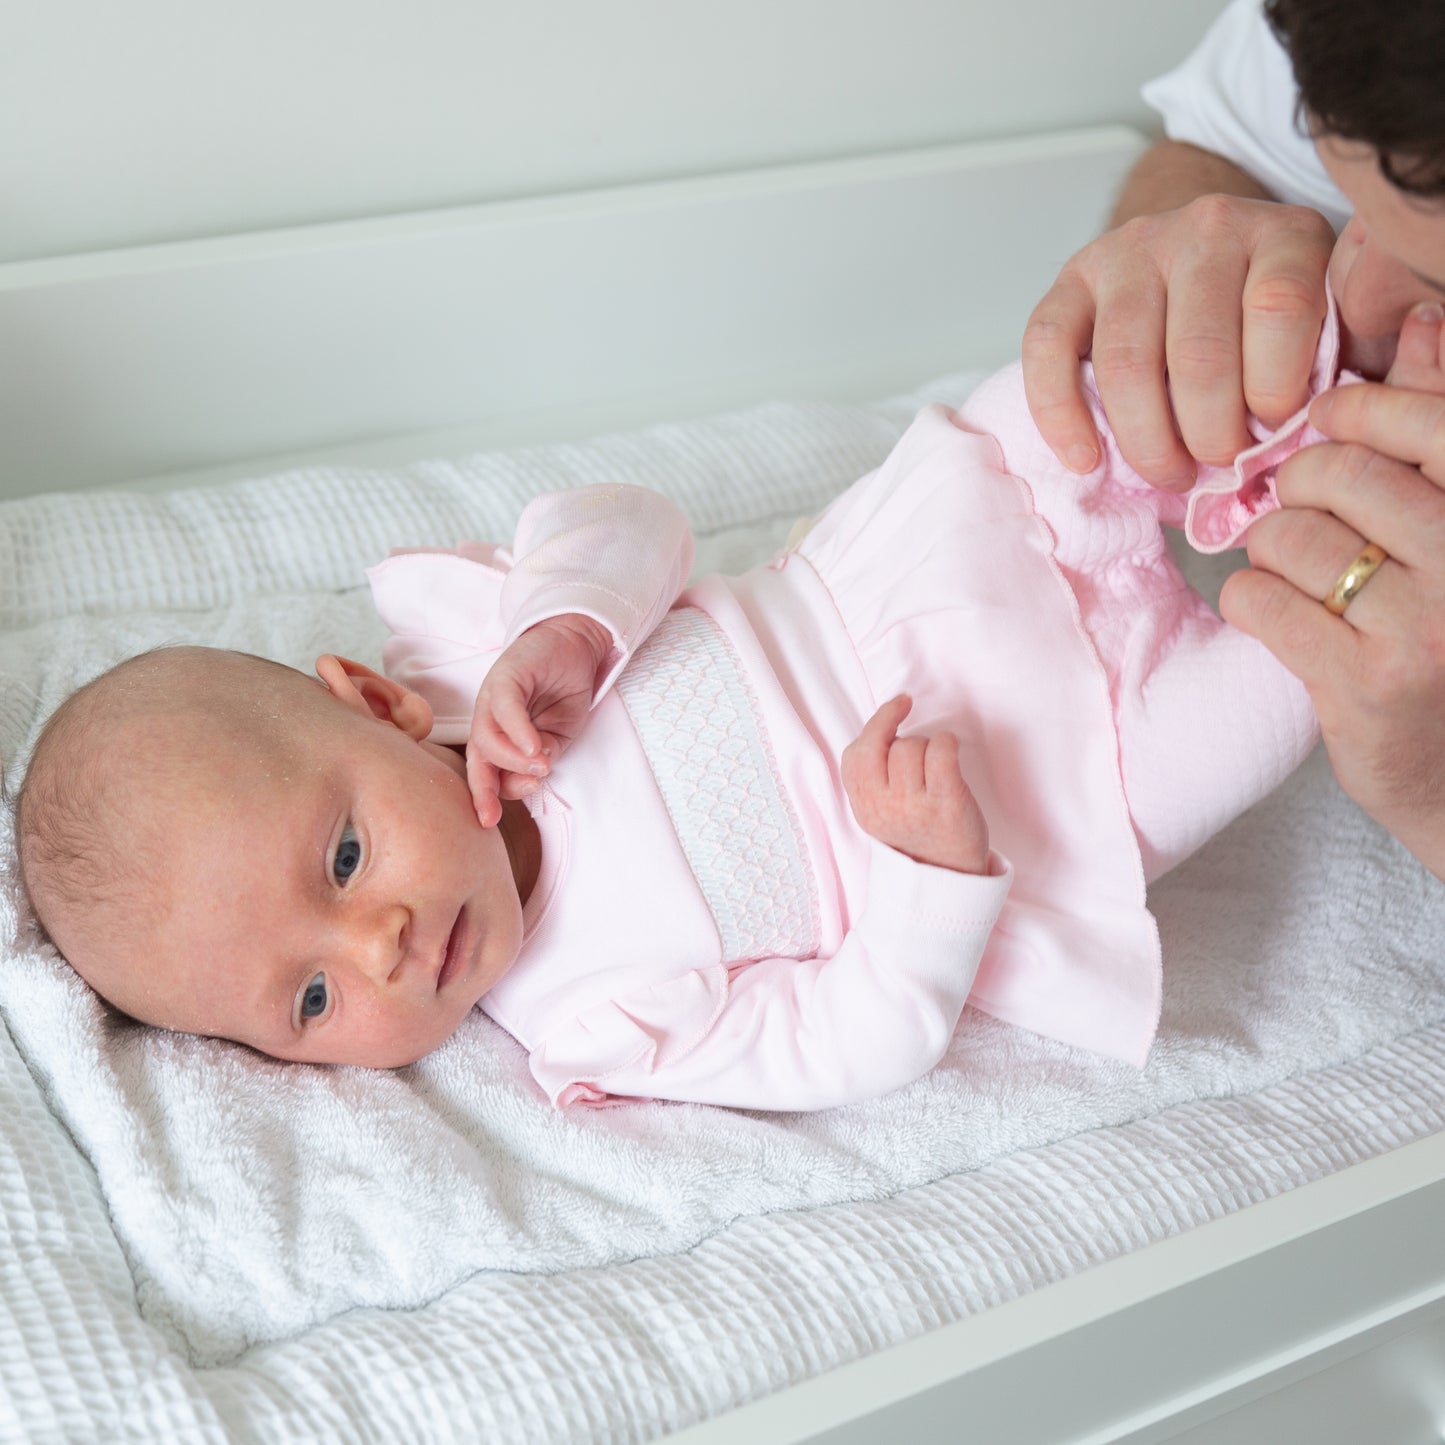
(1373, 71)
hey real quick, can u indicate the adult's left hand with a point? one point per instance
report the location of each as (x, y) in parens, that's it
(1377, 673)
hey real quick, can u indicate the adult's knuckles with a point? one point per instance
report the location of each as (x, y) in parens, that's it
(1202, 354)
(1301, 534)
(1315, 473)
(1126, 362)
(1139, 241)
(1427, 417)
(1215, 218)
(1050, 337)
(1352, 466)
(1293, 230)
(1274, 400)
(1155, 458)
(1284, 299)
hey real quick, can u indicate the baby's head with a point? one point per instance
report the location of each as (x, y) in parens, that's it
(222, 845)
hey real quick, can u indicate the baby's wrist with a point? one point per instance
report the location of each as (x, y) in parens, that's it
(578, 624)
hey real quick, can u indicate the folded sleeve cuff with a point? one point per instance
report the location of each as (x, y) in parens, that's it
(908, 897)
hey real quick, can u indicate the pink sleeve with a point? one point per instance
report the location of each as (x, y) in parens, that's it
(615, 553)
(787, 1034)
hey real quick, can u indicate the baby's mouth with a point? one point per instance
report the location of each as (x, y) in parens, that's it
(455, 954)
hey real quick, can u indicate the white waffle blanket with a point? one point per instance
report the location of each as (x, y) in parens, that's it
(186, 1225)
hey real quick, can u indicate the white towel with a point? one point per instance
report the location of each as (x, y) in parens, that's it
(254, 1199)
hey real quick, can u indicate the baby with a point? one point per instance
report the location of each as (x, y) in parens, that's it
(669, 838)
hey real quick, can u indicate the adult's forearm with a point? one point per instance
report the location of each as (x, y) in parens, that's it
(1173, 173)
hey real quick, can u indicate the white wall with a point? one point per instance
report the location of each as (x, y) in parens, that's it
(148, 120)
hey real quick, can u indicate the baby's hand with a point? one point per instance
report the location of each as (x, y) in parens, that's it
(910, 794)
(532, 703)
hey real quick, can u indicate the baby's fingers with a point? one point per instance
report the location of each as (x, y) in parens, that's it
(905, 765)
(515, 735)
(880, 729)
(865, 759)
(942, 776)
(485, 784)
(497, 742)
(518, 785)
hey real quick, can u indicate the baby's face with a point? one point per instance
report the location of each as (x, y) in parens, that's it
(334, 903)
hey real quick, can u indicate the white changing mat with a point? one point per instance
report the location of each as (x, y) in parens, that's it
(252, 1201)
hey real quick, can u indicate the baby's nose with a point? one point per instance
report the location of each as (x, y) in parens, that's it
(379, 942)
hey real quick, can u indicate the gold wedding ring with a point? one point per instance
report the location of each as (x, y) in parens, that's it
(1352, 580)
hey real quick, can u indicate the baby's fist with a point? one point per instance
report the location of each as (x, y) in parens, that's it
(531, 705)
(910, 794)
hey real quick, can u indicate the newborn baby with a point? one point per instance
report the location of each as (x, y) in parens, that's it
(671, 839)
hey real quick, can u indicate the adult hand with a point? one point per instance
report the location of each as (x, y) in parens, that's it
(1377, 674)
(910, 794)
(532, 703)
(1223, 296)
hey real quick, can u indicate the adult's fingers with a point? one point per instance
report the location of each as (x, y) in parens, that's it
(1203, 342)
(1406, 425)
(1308, 640)
(1284, 309)
(1311, 549)
(1382, 500)
(1129, 358)
(1057, 337)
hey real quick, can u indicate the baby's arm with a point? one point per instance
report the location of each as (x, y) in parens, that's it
(819, 1032)
(878, 1013)
(593, 571)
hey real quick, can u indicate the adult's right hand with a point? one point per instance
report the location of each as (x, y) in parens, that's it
(1223, 296)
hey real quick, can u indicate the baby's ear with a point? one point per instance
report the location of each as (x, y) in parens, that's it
(369, 692)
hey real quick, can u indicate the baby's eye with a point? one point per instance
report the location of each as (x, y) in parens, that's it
(348, 855)
(313, 999)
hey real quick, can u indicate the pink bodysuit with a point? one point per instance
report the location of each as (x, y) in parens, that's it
(710, 922)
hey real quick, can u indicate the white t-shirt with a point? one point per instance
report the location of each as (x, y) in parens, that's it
(1235, 95)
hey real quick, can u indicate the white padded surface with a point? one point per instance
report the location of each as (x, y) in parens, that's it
(628, 1351)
